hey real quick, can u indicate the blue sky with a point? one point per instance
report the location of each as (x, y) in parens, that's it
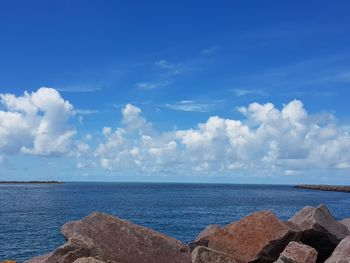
(133, 88)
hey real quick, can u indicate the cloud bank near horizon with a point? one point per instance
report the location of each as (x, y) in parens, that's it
(267, 140)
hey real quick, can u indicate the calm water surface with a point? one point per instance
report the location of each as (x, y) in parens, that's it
(31, 215)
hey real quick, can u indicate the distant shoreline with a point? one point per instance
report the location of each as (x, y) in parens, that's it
(31, 182)
(334, 188)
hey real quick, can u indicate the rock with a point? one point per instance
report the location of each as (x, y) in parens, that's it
(297, 253)
(88, 260)
(203, 238)
(319, 229)
(109, 238)
(69, 252)
(207, 255)
(259, 237)
(39, 259)
(341, 254)
(346, 222)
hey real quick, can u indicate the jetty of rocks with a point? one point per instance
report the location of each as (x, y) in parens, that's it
(335, 188)
(311, 235)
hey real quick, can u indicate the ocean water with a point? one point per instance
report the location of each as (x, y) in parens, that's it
(31, 215)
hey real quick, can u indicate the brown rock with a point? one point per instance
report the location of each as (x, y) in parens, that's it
(259, 237)
(297, 253)
(69, 252)
(203, 238)
(341, 254)
(39, 259)
(346, 222)
(109, 238)
(207, 255)
(88, 260)
(319, 229)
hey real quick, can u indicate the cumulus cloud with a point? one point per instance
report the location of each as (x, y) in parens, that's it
(267, 140)
(35, 123)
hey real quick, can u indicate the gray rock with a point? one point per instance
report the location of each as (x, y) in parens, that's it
(207, 255)
(341, 254)
(297, 253)
(319, 229)
(346, 222)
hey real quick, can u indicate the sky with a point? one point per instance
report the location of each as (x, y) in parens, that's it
(175, 91)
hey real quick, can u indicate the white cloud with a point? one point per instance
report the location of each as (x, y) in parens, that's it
(246, 92)
(191, 105)
(267, 141)
(170, 68)
(152, 85)
(79, 89)
(36, 123)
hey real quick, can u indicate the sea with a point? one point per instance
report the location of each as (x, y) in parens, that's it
(31, 214)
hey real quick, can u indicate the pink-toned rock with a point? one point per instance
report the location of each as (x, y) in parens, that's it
(346, 222)
(297, 253)
(207, 255)
(319, 229)
(341, 254)
(88, 260)
(203, 238)
(109, 238)
(259, 237)
(39, 259)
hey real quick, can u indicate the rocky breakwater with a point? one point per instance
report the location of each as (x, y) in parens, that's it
(334, 188)
(310, 236)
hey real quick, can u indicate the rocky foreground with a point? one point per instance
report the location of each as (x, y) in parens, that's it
(312, 235)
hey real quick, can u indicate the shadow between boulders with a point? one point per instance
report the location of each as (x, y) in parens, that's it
(323, 243)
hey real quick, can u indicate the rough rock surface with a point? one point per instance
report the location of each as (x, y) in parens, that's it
(39, 259)
(319, 229)
(88, 260)
(346, 222)
(341, 254)
(297, 253)
(203, 238)
(109, 238)
(207, 255)
(259, 237)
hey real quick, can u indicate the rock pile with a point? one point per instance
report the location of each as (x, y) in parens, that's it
(310, 236)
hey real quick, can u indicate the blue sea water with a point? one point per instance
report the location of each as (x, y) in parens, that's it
(31, 215)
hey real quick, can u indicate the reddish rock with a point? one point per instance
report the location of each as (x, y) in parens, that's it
(341, 254)
(109, 238)
(297, 253)
(207, 255)
(319, 229)
(203, 238)
(259, 237)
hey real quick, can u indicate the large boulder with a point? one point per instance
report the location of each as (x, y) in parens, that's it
(341, 254)
(110, 239)
(259, 237)
(39, 259)
(207, 255)
(88, 260)
(319, 229)
(346, 222)
(203, 238)
(297, 253)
